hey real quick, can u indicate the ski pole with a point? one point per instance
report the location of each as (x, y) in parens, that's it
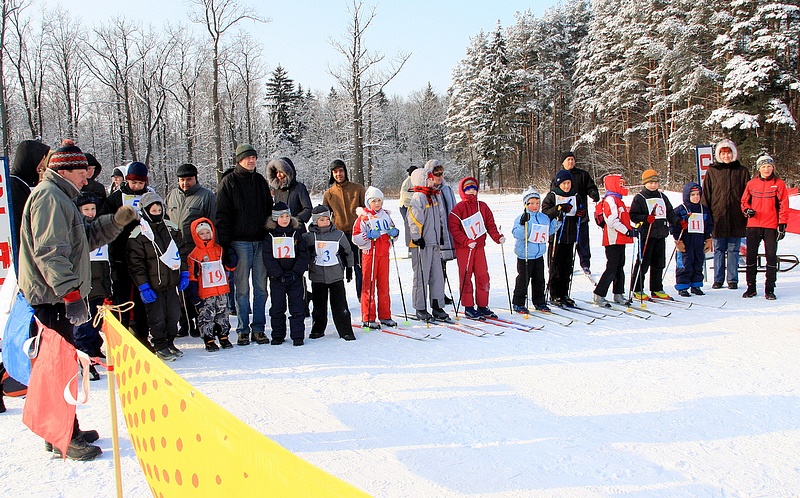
(556, 241)
(447, 281)
(505, 270)
(370, 302)
(643, 251)
(400, 282)
(527, 276)
(463, 280)
(669, 261)
(574, 253)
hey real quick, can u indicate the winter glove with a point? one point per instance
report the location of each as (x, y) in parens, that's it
(288, 278)
(192, 293)
(749, 212)
(125, 215)
(580, 212)
(184, 282)
(650, 219)
(394, 232)
(420, 242)
(684, 225)
(373, 234)
(708, 246)
(781, 231)
(526, 216)
(148, 294)
(229, 258)
(77, 309)
(471, 245)
(631, 233)
(501, 240)
(349, 273)
(680, 246)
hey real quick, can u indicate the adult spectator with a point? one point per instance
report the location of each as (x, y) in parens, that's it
(129, 193)
(92, 185)
(343, 198)
(723, 187)
(583, 184)
(282, 179)
(29, 158)
(117, 178)
(448, 200)
(55, 275)
(186, 203)
(244, 204)
(406, 193)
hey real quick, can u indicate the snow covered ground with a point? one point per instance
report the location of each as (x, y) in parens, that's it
(705, 402)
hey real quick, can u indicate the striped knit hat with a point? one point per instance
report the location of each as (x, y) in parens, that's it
(67, 157)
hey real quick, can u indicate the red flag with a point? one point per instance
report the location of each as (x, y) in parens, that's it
(46, 412)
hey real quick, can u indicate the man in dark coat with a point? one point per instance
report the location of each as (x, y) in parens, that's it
(583, 184)
(29, 159)
(723, 187)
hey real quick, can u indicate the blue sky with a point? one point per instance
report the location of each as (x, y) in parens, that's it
(435, 33)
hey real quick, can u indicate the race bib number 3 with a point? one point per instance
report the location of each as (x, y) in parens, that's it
(213, 274)
(327, 253)
(282, 247)
(537, 234)
(474, 226)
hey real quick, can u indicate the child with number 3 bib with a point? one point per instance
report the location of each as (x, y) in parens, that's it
(208, 286)
(469, 222)
(286, 259)
(531, 231)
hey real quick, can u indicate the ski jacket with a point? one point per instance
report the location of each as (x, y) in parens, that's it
(584, 186)
(291, 192)
(618, 219)
(692, 236)
(205, 251)
(318, 270)
(568, 221)
(723, 187)
(278, 266)
(56, 240)
(23, 177)
(406, 192)
(522, 233)
(184, 207)
(468, 207)
(123, 196)
(343, 199)
(646, 202)
(244, 204)
(427, 218)
(144, 264)
(101, 274)
(367, 220)
(769, 198)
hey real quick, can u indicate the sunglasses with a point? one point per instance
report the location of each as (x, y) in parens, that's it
(440, 173)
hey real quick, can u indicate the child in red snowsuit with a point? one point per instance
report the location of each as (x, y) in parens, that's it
(374, 233)
(469, 222)
(208, 286)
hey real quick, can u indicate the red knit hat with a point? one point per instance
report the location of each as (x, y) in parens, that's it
(67, 157)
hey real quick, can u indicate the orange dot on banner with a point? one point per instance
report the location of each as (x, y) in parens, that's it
(155, 472)
(179, 444)
(225, 437)
(138, 365)
(128, 395)
(195, 480)
(166, 476)
(122, 379)
(144, 388)
(167, 382)
(133, 353)
(219, 479)
(135, 419)
(129, 418)
(155, 384)
(153, 443)
(183, 405)
(163, 442)
(135, 392)
(165, 411)
(245, 475)
(122, 401)
(130, 372)
(178, 478)
(146, 367)
(152, 414)
(125, 350)
(148, 470)
(199, 438)
(144, 418)
(160, 495)
(117, 360)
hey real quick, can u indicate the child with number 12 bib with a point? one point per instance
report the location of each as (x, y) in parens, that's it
(469, 222)
(374, 233)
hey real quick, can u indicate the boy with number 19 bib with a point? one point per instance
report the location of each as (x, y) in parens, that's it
(469, 222)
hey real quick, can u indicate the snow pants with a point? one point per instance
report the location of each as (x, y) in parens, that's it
(213, 311)
(654, 260)
(162, 317)
(689, 265)
(295, 294)
(339, 309)
(770, 238)
(87, 336)
(477, 268)
(614, 272)
(375, 286)
(561, 266)
(428, 277)
(531, 270)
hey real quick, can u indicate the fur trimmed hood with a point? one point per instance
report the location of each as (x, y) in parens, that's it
(280, 164)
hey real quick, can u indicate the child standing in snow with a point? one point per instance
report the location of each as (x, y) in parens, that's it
(617, 233)
(331, 258)
(692, 241)
(561, 204)
(469, 222)
(531, 230)
(208, 286)
(373, 233)
(286, 259)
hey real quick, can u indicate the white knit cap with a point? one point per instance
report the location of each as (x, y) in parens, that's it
(372, 193)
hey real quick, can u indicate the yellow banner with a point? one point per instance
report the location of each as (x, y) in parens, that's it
(187, 445)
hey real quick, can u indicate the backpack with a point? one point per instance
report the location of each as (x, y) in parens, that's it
(599, 215)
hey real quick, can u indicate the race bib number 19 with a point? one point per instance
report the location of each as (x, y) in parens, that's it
(213, 274)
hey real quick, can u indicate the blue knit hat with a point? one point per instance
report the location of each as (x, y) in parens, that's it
(562, 176)
(137, 172)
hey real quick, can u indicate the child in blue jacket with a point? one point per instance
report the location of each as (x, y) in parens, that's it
(531, 230)
(692, 240)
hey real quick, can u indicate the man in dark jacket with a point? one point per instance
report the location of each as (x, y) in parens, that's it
(282, 179)
(583, 184)
(92, 185)
(186, 203)
(244, 204)
(29, 159)
(723, 187)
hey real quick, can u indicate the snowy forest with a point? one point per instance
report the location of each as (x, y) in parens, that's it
(627, 84)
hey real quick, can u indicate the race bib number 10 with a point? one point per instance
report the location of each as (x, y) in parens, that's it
(282, 247)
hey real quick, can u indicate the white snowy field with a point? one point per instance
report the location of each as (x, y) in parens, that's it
(705, 402)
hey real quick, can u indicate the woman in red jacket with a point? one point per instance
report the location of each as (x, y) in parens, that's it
(469, 222)
(765, 204)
